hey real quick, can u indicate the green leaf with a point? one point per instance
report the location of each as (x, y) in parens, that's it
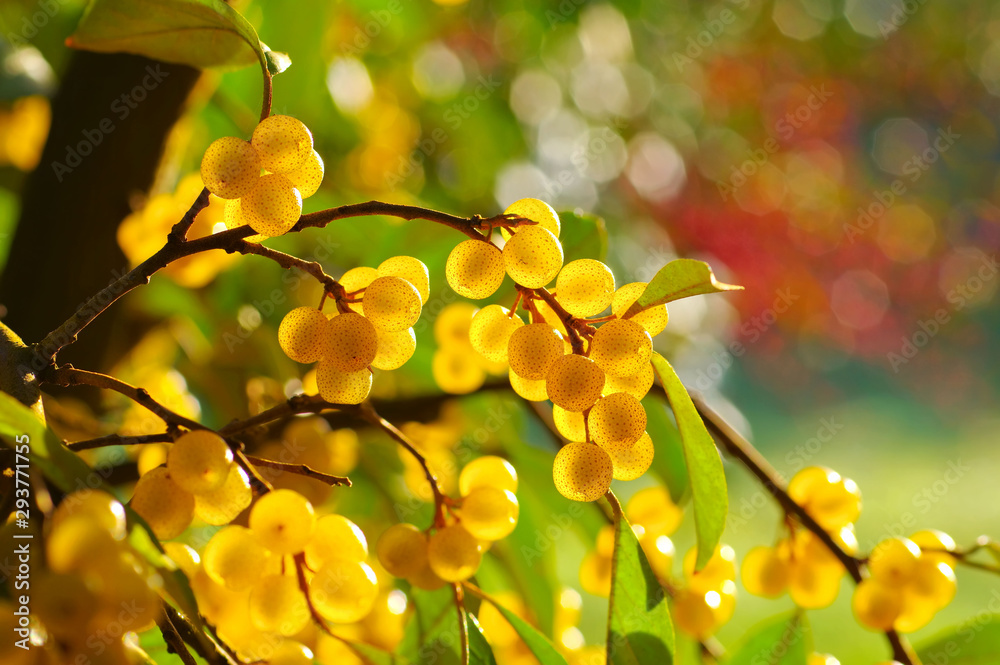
(480, 652)
(965, 644)
(539, 645)
(432, 633)
(374, 656)
(783, 640)
(199, 33)
(582, 236)
(668, 463)
(678, 279)
(45, 450)
(639, 626)
(706, 476)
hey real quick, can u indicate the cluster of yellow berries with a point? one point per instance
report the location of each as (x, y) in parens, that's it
(801, 564)
(596, 386)
(373, 331)
(264, 180)
(199, 479)
(912, 579)
(487, 512)
(93, 581)
(256, 583)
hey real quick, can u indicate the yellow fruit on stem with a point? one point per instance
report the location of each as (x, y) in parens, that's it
(475, 269)
(582, 471)
(585, 287)
(283, 143)
(621, 347)
(273, 206)
(453, 553)
(392, 303)
(532, 256)
(283, 521)
(166, 507)
(230, 167)
(537, 211)
(199, 461)
(402, 550)
(491, 330)
(574, 382)
(351, 342)
(412, 270)
(532, 349)
(654, 319)
(876, 605)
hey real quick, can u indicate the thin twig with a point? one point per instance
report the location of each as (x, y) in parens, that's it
(67, 375)
(173, 639)
(300, 469)
(463, 626)
(571, 323)
(180, 230)
(119, 440)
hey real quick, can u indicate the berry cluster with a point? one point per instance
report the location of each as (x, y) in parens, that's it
(912, 579)
(372, 328)
(91, 575)
(801, 564)
(199, 479)
(594, 376)
(247, 586)
(264, 180)
(486, 513)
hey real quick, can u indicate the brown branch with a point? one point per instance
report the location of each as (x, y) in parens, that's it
(267, 93)
(180, 230)
(67, 375)
(737, 446)
(173, 639)
(119, 440)
(573, 325)
(300, 469)
(463, 626)
(300, 573)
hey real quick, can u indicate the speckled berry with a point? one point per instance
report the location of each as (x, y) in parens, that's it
(585, 287)
(230, 167)
(343, 387)
(302, 334)
(282, 142)
(654, 319)
(582, 471)
(535, 210)
(533, 256)
(392, 303)
(412, 270)
(574, 382)
(475, 269)
(351, 342)
(491, 330)
(621, 347)
(532, 350)
(273, 206)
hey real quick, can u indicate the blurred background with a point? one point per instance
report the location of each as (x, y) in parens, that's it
(836, 157)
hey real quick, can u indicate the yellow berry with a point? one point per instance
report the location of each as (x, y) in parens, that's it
(654, 319)
(357, 279)
(533, 391)
(637, 385)
(935, 545)
(654, 510)
(595, 574)
(199, 461)
(574, 382)
(454, 553)
(303, 333)
(96, 505)
(487, 471)
(309, 176)
(392, 303)
(394, 349)
(351, 343)
(694, 612)
(166, 507)
(343, 387)
(491, 330)
(452, 324)
(425, 578)
(402, 550)
(273, 206)
(618, 419)
(283, 143)
(78, 542)
(185, 556)
(535, 210)
(621, 347)
(831, 500)
(876, 605)
(63, 603)
(412, 270)
(489, 513)
(585, 287)
(894, 561)
(933, 583)
(283, 521)
(765, 572)
(813, 586)
(659, 551)
(277, 605)
(475, 269)
(533, 256)
(233, 218)
(532, 349)
(456, 372)
(293, 653)
(234, 557)
(630, 460)
(222, 505)
(344, 591)
(335, 537)
(230, 167)
(571, 424)
(582, 471)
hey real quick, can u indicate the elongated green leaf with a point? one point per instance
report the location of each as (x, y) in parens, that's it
(480, 652)
(783, 640)
(199, 33)
(966, 644)
(540, 645)
(668, 462)
(45, 450)
(582, 236)
(678, 279)
(707, 478)
(639, 626)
